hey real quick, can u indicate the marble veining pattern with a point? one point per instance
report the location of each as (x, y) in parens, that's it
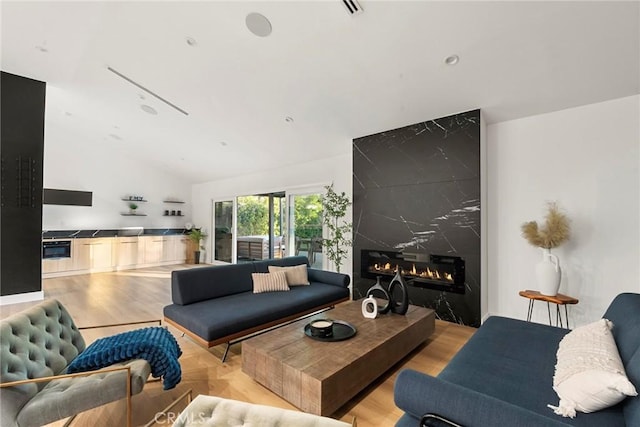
(417, 189)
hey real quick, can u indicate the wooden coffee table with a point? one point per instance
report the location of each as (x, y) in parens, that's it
(319, 377)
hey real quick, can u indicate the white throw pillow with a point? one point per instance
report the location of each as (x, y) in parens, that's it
(296, 275)
(589, 373)
(269, 282)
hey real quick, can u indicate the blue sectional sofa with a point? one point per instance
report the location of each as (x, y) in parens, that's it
(503, 376)
(216, 304)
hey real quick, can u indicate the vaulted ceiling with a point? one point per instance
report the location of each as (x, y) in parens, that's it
(335, 75)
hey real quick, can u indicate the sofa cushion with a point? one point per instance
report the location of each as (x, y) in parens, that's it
(217, 318)
(269, 282)
(589, 373)
(503, 355)
(623, 312)
(263, 266)
(296, 275)
(216, 411)
(328, 277)
(201, 284)
(631, 405)
(65, 397)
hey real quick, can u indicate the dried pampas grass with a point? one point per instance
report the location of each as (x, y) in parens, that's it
(554, 232)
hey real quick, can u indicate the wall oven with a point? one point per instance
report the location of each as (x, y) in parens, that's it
(56, 249)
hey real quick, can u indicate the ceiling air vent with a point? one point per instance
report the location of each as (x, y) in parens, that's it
(352, 6)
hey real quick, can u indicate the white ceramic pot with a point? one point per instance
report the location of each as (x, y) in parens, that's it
(548, 273)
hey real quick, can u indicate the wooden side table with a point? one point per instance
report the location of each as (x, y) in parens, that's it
(558, 300)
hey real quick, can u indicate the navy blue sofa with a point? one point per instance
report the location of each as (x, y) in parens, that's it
(503, 376)
(216, 304)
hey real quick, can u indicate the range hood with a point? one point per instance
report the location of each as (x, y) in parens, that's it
(52, 196)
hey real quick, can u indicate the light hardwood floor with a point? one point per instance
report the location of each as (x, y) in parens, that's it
(135, 295)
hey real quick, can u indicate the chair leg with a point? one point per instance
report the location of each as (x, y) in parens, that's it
(70, 420)
(129, 397)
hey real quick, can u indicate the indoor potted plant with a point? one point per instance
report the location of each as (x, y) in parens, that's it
(132, 208)
(196, 235)
(552, 234)
(334, 209)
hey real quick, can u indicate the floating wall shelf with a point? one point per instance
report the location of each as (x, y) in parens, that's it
(173, 201)
(133, 214)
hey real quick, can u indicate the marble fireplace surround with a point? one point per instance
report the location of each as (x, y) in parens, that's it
(417, 189)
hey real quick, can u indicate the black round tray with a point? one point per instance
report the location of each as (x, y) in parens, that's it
(341, 331)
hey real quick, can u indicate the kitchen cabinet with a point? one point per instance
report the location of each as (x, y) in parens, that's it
(181, 248)
(56, 265)
(117, 253)
(152, 249)
(81, 254)
(127, 251)
(168, 249)
(163, 249)
(101, 254)
(93, 254)
(174, 249)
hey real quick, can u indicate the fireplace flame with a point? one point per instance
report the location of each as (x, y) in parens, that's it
(427, 273)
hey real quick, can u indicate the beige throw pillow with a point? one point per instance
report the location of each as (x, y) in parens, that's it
(589, 373)
(296, 275)
(269, 282)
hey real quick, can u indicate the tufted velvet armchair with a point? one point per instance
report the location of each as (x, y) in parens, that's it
(36, 346)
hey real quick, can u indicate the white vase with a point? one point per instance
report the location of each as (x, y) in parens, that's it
(548, 273)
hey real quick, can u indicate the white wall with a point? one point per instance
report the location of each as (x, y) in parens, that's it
(587, 159)
(71, 163)
(311, 174)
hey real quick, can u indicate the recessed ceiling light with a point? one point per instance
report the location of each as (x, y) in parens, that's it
(258, 24)
(149, 109)
(288, 119)
(191, 41)
(452, 60)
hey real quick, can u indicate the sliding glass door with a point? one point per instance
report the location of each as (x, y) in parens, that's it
(271, 225)
(305, 227)
(260, 220)
(224, 228)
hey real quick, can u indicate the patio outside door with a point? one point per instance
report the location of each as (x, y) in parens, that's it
(305, 227)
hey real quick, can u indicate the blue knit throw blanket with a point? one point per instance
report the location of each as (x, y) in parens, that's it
(156, 345)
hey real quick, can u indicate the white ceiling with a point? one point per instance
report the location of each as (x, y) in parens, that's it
(338, 76)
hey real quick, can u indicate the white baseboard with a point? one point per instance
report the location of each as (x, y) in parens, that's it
(25, 297)
(485, 317)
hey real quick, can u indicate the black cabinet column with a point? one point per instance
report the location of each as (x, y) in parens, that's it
(21, 152)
